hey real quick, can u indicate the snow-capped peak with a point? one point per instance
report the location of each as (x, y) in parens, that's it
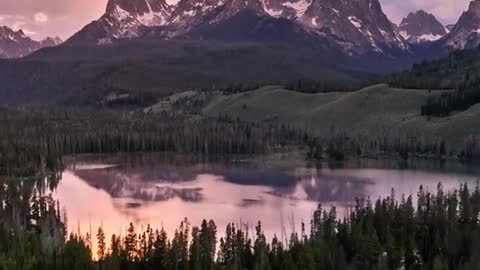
(421, 27)
(16, 44)
(358, 26)
(147, 12)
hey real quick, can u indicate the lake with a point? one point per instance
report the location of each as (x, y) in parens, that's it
(281, 191)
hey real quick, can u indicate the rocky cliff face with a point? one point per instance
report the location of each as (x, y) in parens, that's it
(466, 32)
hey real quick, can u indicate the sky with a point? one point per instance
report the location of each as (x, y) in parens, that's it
(41, 18)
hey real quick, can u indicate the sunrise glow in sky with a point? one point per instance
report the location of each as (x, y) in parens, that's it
(41, 18)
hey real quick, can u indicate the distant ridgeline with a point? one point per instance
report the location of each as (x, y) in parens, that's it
(460, 71)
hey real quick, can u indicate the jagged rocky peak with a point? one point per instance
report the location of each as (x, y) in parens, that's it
(51, 41)
(360, 25)
(147, 12)
(466, 32)
(16, 44)
(420, 26)
(10, 34)
(124, 19)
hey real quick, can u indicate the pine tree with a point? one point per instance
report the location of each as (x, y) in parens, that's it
(260, 249)
(101, 246)
(161, 249)
(131, 243)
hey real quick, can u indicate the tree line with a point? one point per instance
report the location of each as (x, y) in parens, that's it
(340, 146)
(32, 140)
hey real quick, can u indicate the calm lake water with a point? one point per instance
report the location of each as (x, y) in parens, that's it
(163, 189)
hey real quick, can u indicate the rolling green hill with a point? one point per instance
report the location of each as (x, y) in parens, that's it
(376, 110)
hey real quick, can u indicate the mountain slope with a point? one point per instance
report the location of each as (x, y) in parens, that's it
(447, 72)
(249, 26)
(466, 32)
(84, 75)
(421, 27)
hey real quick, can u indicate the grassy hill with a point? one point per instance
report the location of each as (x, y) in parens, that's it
(375, 110)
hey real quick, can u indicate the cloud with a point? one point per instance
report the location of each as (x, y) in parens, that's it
(16, 22)
(52, 17)
(17, 25)
(40, 17)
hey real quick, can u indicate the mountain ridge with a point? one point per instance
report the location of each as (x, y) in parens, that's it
(420, 27)
(360, 26)
(16, 44)
(465, 34)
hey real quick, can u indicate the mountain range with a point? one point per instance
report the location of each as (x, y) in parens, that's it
(354, 27)
(15, 44)
(149, 46)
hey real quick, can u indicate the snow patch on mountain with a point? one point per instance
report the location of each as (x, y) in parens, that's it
(120, 14)
(356, 22)
(429, 37)
(300, 6)
(270, 11)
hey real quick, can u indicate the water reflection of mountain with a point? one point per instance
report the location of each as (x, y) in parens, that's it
(334, 188)
(165, 182)
(154, 180)
(122, 185)
(180, 168)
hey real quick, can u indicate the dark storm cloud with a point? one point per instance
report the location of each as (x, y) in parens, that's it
(42, 18)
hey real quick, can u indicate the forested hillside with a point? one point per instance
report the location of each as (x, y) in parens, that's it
(459, 71)
(85, 75)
